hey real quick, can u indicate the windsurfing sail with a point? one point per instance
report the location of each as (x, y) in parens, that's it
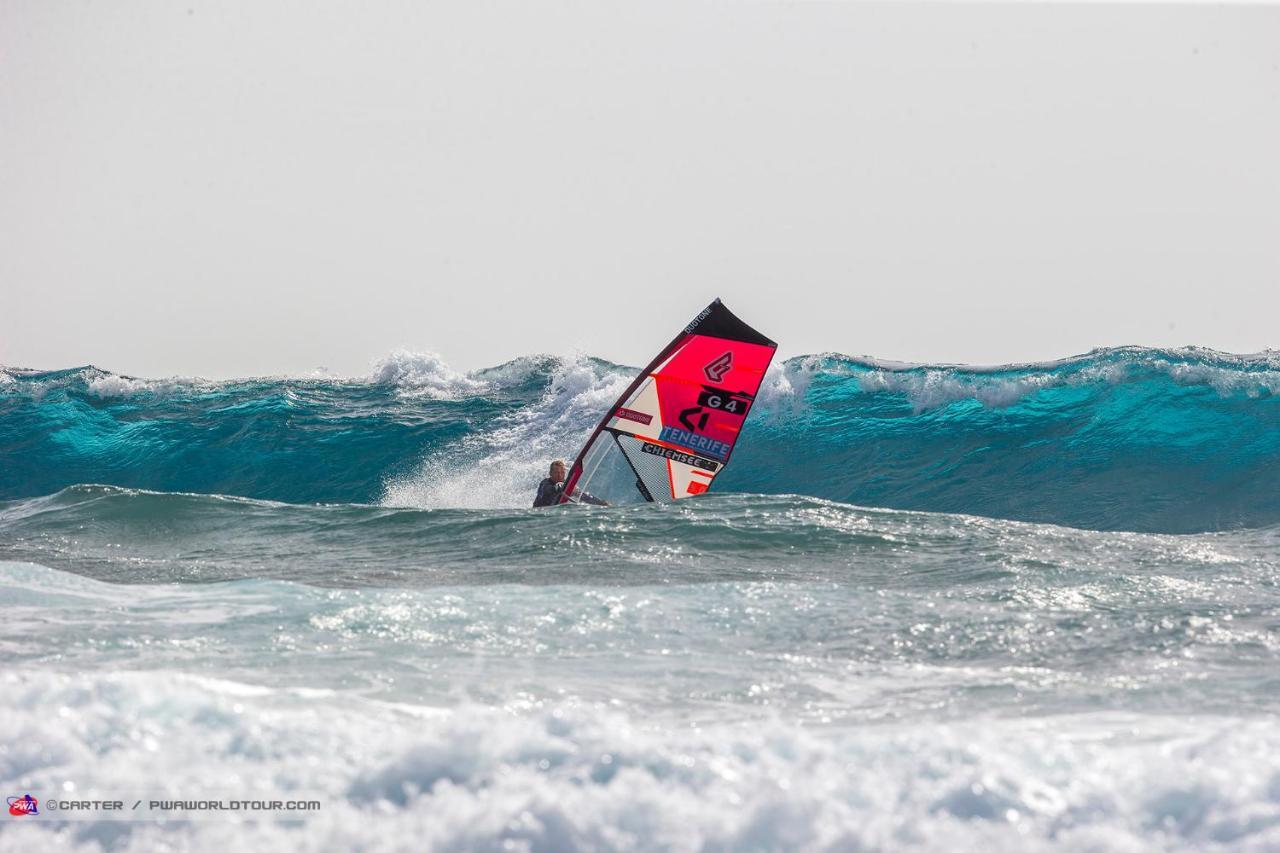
(673, 430)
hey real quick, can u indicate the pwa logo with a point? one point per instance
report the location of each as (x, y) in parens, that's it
(23, 806)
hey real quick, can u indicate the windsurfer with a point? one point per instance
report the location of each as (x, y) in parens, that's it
(550, 489)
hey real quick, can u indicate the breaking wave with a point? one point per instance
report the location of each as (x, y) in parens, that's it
(1127, 438)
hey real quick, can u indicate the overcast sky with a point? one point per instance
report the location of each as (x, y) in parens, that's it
(261, 187)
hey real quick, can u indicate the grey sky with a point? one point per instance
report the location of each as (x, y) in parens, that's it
(265, 187)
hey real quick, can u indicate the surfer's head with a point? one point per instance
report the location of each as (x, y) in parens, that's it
(557, 471)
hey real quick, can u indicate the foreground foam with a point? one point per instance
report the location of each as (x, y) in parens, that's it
(570, 776)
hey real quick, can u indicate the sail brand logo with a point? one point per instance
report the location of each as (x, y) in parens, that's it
(687, 416)
(679, 456)
(23, 806)
(688, 330)
(716, 370)
(633, 415)
(709, 446)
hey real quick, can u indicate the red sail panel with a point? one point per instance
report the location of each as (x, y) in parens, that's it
(673, 430)
(705, 391)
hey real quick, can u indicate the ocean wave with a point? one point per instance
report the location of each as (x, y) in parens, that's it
(425, 373)
(136, 536)
(929, 386)
(1127, 438)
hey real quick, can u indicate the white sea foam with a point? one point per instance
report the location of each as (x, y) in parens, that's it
(566, 776)
(501, 466)
(99, 383)
(108, 385)
(932, 389)
(425, 373)
(782, 392)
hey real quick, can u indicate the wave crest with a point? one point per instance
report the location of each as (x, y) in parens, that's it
(426, 372)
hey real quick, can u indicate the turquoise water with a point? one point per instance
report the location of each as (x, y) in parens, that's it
(1122, 439)
(1033, 607)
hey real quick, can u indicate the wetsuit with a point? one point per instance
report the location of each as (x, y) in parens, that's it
(549, 495)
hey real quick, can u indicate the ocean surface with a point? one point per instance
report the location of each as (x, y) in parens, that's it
(1026, 607)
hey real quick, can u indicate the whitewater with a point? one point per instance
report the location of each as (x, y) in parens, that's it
(1023, 607)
